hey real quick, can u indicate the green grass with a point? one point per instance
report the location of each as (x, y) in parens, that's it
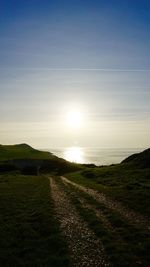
(29, 231)
(27, 159)
(128, 185)
(22, 151)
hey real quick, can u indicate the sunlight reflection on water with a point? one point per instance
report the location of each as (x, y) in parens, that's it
(74, 154)
(98, 156)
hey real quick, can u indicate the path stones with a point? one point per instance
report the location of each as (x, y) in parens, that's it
(85, 248)
(128, 214)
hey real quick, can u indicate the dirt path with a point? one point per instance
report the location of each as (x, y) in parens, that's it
(85, 248)
(128, 214)
(98, 212)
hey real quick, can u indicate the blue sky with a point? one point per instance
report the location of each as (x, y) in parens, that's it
(91, 56)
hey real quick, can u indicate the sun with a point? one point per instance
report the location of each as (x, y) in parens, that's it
(74, 119)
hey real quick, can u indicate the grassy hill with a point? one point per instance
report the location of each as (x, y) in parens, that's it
(139, 159)
(29, 229)
(22, 151)
(28, 160)
(128, 182)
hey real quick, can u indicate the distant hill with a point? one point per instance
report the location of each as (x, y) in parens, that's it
(139, 159)
(22, 151)
(28, 160)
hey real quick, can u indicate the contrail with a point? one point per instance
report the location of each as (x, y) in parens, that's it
(81, 69)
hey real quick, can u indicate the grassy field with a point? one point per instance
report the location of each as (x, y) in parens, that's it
(22, 151)
(29, 232)
(122, 182)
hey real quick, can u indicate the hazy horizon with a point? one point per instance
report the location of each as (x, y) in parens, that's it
(97, 156)
(75, 73)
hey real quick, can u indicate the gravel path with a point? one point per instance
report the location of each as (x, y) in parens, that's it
(98, 212)
(85, 248)
(128, 214)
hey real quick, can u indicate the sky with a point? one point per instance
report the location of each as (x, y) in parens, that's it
(88, 57)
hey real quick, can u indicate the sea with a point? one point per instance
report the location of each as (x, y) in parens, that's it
(97, 156)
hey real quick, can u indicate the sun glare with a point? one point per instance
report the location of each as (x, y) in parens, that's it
(75, 119)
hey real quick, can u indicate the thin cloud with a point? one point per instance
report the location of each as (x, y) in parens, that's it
(79, 69)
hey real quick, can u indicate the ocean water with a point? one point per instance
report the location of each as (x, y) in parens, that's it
(98, 156)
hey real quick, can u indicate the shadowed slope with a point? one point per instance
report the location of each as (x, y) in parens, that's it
(140, 159)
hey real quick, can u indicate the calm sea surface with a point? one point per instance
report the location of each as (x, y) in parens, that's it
(97, 156)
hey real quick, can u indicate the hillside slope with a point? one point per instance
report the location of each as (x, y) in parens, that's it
(139, 159)
(28, 160)
(22, 151)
